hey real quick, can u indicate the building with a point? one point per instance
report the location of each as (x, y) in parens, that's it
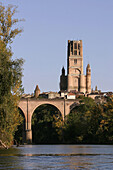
(49, 95)
(71, 96)
(75, 80)
(53, 95)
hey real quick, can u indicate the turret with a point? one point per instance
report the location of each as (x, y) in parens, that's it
(37, 91)
(88, 79)
(63, 81)
(63, 71)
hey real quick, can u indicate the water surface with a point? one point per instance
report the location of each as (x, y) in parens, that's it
(57, 157)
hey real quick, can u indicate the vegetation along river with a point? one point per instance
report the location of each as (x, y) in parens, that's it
(57, 157)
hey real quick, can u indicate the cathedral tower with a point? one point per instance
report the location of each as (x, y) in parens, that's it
(75, 79)
(74, 64)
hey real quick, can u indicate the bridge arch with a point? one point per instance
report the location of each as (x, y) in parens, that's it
(28, 106)
(22, 110)
(43, 124)
(45, 103)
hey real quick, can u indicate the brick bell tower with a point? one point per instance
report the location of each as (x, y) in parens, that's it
(76, 79)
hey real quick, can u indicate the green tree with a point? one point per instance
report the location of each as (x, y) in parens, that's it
(77, 127)
(106, 124)
(10, 76)
(74, 127)
(90, 123)
(46, 125)
(94, 118)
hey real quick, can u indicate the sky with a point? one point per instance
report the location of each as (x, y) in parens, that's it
(48, 25)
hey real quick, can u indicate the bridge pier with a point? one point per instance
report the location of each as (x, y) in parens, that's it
(28, 136)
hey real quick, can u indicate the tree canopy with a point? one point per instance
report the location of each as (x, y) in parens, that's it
(10, 76)
(47, 125)
(90, 123)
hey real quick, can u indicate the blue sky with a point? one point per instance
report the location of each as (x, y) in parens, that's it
(47, 27)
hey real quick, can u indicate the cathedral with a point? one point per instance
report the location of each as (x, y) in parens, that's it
(75, 80)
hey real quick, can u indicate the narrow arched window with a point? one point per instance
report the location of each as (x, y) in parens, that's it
(75, 61)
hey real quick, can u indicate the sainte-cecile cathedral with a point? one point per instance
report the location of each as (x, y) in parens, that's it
(75, 80)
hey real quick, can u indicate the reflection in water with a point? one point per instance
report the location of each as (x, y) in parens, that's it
(57, 157)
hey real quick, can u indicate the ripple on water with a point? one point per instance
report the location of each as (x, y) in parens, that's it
(58, 157)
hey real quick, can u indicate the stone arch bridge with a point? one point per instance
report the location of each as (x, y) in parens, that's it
(28, 106)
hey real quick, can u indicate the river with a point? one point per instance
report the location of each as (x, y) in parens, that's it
(57, 157)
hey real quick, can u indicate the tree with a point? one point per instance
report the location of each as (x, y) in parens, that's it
(82, 123)
(106, 124)
(74, 127)
(90, 123)
(46, 125)
(94, 118)
(10, 76)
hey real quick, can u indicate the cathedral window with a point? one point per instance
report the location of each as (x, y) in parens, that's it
(75, 61)
(75, 45)
(79, 46)
(75, 52)
(71, 47)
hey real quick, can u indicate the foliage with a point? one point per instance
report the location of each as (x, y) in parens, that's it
(90, 123)
(87, 123)
(106, 126)
(20, 136)
(10, 76)
(7, 33)
(46, 125)
(75, 126)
